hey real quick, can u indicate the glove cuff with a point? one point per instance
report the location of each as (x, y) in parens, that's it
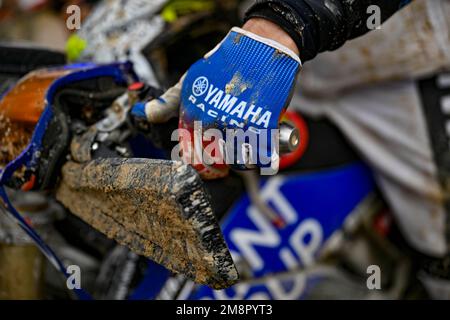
(270, 42)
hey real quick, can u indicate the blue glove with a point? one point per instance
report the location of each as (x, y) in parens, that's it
(246, 83)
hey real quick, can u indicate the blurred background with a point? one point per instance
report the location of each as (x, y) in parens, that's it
(42, 22)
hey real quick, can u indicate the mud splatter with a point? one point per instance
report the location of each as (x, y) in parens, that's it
(237, 38)
(237, 85)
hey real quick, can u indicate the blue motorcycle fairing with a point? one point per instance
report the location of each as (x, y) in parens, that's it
(30, 156)
(122, 73)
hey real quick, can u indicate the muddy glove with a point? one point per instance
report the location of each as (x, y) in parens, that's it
(245, 83)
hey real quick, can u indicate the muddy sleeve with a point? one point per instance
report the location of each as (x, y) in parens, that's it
(322, 25)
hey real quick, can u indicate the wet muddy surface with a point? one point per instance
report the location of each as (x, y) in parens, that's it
(14, 137)
(156, 208)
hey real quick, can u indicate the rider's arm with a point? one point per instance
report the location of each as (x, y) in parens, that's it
(321, 25)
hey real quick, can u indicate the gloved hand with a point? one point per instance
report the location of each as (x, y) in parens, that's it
(245, 82)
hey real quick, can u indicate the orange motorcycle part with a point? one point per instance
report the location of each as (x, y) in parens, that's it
(20, 110)
(26, 101)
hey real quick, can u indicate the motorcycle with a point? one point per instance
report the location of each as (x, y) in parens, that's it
(75, 138)
(137, 225)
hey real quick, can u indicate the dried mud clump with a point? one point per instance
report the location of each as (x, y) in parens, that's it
(14, 137)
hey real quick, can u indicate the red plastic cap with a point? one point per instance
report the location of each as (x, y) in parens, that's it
(136, 86)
